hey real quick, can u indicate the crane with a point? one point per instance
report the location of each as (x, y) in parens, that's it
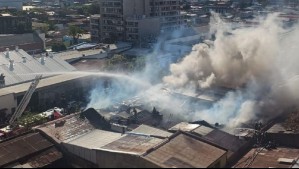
(25, 101)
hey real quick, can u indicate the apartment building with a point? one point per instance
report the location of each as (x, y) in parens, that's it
(95, 21)
(169, 11)
(15, 24)
(136, 20)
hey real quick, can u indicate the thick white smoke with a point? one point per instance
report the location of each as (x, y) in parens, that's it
(260, 63)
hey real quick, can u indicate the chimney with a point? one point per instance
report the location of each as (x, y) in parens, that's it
(17, 48)
(11, 65)
(7, 53)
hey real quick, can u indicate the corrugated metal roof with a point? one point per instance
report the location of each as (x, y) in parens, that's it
(45, 158)
(133, 144)
(226, 140)
(43, 83)
(73, 128)
(268, 158)
(15, 149)
(203, 130)
(184, 151)
(95, 139)
(26, 71)
(184, 127)
(279, 128)
(144, 129)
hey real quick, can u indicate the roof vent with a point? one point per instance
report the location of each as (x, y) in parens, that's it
(17, 48)
(51, 55)
(7, 53)
(11, 65)
(2, 80)
(24, 59)
(43, 60)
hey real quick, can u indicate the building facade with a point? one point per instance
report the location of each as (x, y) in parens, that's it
(127, 20)
(15, 25)
(95, 27)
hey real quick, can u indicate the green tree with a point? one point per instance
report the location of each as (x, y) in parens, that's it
(57, 47)
(75, 32)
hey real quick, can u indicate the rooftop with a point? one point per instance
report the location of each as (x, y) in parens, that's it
(73, 127)
(133, 144)
(75, 54)
(269, 158)
(19, 39)
(31, 146)
(185, 151)
(95, 139)
(280, 128)
(186, 127)
(21, 88)
(25, 67)
(147, 130)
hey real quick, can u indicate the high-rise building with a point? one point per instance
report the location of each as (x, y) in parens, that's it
(137, 20)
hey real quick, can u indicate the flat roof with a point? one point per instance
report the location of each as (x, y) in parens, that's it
(74, 54)
(148, 130)
(184, 151)
(95, 139)
(184, 126)
(133, 144)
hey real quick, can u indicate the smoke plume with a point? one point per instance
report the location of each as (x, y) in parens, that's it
(258, 63)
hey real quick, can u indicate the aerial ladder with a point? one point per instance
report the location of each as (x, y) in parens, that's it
(25, 101)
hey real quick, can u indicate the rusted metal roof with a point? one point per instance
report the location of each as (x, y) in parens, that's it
(226, 140)
(73, 128)
(262, 158)
(133, 144)
(279, 128)
(21, 147)
(45, 158)
(184, 151)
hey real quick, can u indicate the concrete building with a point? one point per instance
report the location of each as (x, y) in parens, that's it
(32, 43)
(127, 20)
(18, 69)
(95, 27)
(15, 24)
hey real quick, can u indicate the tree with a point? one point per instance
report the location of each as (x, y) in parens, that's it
(75, 32)
(57, 47)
